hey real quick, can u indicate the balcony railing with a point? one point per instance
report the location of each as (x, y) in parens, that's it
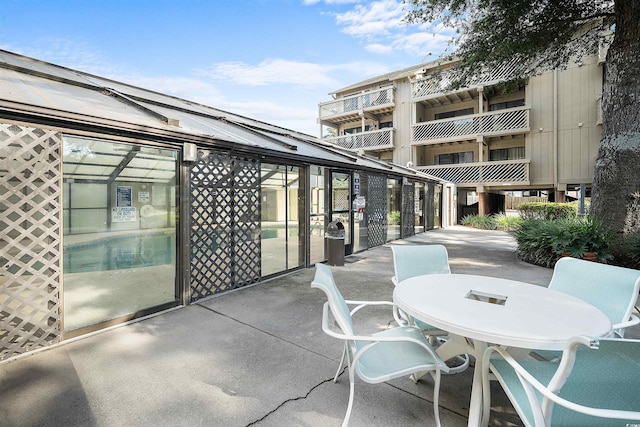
(439, 82)
(506, 172)
(372, 140)
(368, 101)
(503, 122)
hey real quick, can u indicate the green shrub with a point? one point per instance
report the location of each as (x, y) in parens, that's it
(393, 218)
(627, 251)
(581, 235)
(633, 248)
(507, 223)
(547, 210)
(543, 242)
(535, 239)
(479, 221)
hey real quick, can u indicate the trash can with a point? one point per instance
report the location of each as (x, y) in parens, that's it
(334, 236)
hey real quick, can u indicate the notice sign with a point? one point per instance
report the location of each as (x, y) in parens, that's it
(123, 196)
(123, 214)
(143, 197)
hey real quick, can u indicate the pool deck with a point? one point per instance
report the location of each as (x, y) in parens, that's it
(253, 357)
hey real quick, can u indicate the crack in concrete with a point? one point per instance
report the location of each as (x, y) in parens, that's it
(293, 399)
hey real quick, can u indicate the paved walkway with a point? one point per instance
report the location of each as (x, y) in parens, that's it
(256, 356)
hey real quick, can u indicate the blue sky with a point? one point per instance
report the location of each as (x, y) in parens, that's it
(271, 60)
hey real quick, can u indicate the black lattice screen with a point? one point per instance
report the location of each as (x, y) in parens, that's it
(30, 211)
(225, 223)
(377, 210)
(408, 220)
(429, 206)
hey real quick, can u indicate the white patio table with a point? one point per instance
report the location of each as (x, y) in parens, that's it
(482, 310)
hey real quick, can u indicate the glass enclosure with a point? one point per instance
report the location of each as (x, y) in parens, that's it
(419, 208)
(119, 236)
(282, 246)
(318, 213)
(341, 204)
(394, 207)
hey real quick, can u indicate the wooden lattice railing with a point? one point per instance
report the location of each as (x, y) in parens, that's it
(372, 140)
(514, 120)
(355, 103)
(439, 82)
(500, 172)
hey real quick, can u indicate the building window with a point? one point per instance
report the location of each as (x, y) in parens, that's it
(513, 153)
(455, 113)
(454, 158)
(504, 105)
(119, 230)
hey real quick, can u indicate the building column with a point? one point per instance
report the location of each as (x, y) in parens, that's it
(560, 193)
(483, 201)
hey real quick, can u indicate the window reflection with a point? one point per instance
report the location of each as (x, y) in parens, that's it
(282, 247)
(119, 230)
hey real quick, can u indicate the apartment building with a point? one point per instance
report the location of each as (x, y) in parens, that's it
(494, 136)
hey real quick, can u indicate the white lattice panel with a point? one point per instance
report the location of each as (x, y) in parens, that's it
(439, 82)
(365, 140)
(501, 122)
(483, 173)
(30, 176)
(355, 103)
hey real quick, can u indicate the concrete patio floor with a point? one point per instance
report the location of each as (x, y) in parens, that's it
(253, 357)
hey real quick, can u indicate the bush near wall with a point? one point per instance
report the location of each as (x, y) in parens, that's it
(547, 210)
(543, 242)
(492, 222)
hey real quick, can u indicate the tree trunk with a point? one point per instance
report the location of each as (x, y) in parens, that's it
(616, 183)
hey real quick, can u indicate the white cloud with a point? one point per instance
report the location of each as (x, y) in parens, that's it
(305, 75)
(373, 19)
(379, 48)
(271, 71)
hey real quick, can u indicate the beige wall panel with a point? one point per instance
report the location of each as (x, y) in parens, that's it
(430, 114)
(431, 151)
(578, 91)
(506, 143)
(508, 97)
(402, 124)
(577, 151)
(540, 152)
(540, 101)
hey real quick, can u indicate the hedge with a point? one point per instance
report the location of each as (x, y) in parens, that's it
(547, 211)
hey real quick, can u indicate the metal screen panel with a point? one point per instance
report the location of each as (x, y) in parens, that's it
(225, 223)
(377, 210)
(408, 220)
(30, 186)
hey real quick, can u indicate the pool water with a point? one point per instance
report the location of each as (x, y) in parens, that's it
(122, 252)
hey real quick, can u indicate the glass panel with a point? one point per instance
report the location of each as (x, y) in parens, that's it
(394, 207)
(341, 209)
(318, 214)
(420, 214)
(295, 246)
(437, 203)
(274, 219)
(280, 220)
(119, 236)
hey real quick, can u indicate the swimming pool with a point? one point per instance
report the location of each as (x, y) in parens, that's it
(120, 252)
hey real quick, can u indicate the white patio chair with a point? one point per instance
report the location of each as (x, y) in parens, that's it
(594, 384)
(417, 260)
(379, 357)
(614, 290)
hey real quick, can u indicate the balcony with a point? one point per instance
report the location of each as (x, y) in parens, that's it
(438, 83)
(506, 172)
(353, 107)
(495, 123)
(369, 141)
